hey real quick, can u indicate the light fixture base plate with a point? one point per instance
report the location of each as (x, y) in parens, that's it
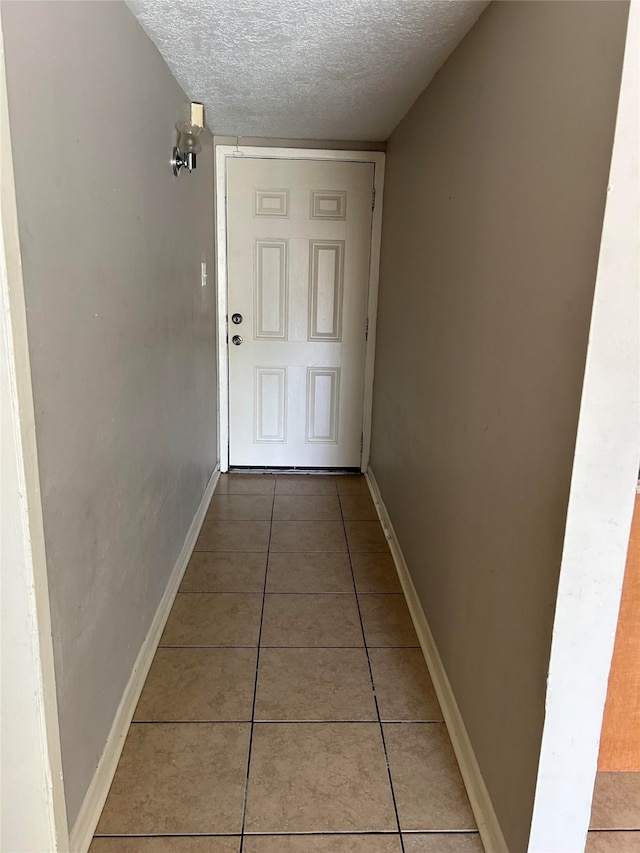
(176, 161)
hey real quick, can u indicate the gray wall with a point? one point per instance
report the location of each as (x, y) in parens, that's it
(122, 339)
(494, 198)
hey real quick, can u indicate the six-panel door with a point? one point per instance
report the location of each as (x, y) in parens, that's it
(299, 236)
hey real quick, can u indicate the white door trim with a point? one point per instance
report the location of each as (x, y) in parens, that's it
(33, 806)
(223, 152)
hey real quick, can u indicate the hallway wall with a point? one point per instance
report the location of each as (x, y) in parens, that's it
(122, 339)
(494, 199)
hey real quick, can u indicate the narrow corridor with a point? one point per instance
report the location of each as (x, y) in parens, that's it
(288, 708)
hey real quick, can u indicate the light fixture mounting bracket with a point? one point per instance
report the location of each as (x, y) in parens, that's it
(176, 160)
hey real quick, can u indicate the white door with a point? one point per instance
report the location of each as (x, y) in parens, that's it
(299, 234)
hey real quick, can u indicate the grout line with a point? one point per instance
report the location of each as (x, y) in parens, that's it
(285, 647)
(335, 593)
(385, 833)
(391, 833)
(375, 699)
(314, 722)
(200, 646)
(611, 828)
(229, 550)
(290, 592)
(255, 684)
(210, 592)
(262, 551)
(189, 722)
(336, 647)
(219, 592)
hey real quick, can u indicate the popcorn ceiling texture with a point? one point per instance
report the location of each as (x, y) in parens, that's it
(305, 69)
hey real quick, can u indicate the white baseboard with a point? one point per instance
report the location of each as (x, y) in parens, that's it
(93, 803)
(488, 825)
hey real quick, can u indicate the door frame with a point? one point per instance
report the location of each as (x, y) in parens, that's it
(222, 155)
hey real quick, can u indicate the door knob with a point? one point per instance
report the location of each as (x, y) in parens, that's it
(236, 318)
(236, 340)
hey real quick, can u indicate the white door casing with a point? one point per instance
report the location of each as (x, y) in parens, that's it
(298, 249)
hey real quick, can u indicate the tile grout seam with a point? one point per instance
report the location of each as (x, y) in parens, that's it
(275, 722)
(255, 685)
(373, 689)
(240, 592)
(192, 646)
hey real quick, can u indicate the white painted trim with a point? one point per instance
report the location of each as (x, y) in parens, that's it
(36, 798)
(96, 795)
(486, 818)
(220, 199)
(223, 152)
(372, 309)
(601, 499)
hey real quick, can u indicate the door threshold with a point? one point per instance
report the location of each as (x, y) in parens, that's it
(252, 469)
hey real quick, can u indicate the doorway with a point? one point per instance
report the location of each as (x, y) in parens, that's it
(298, 237)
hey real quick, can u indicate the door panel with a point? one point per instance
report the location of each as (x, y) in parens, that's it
(298, 259)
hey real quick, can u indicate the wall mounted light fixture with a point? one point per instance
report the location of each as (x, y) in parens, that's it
(184, 154)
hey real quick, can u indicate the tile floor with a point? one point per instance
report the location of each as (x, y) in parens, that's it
(258, 729)
(615, 814)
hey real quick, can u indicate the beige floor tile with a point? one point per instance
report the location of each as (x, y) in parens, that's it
(233, 536)
(421, 760)
(178, 778)
(322, 571)
(199, 684)
(366, 536)
(386, 621)
(375, 572)
(311, 620)
(442, 842)
(344, 843)
(231, 507)
(314, 684)
(225, 571)
(246, 484)
(305, 484)
(352, 484)
(616, 801)
(314, 777)
(307, 508)
(613, 842)
(213, 619)
(403, 685)
(358, 508)
(307, 536)
(166, 844)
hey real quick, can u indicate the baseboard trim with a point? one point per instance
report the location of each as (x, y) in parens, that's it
(93, 803)
(488, 824)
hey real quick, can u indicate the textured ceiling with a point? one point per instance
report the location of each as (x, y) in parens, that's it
(305, 69)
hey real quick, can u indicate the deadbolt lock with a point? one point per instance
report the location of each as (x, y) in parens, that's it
(236, 318)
